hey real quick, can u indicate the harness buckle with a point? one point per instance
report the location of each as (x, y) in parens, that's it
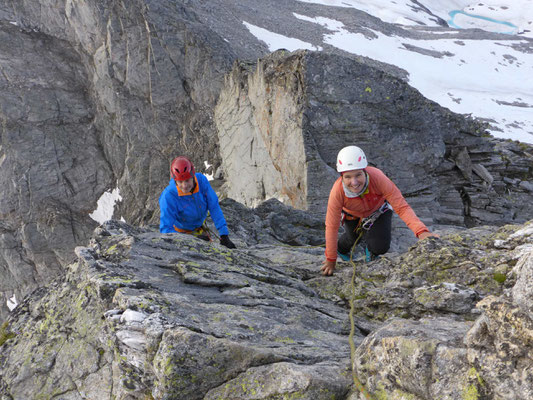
(367, 224)
(369, 221)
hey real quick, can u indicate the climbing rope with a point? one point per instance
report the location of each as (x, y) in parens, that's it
(208, 231)
(359, 231)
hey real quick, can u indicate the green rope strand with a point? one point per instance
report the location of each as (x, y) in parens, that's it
(356, 380)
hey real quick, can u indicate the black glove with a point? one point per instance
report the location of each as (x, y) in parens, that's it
(224, 241)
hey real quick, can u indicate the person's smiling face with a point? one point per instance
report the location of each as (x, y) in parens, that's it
(185, 186)
(354, 180)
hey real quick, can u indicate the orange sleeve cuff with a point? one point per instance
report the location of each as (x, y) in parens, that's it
(422, 231)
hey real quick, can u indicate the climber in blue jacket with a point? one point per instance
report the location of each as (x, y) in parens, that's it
(185, 201)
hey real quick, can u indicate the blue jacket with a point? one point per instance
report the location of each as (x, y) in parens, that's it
(189, 210)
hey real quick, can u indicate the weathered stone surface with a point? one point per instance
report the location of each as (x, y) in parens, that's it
(447, 297)
(259, 117)
(283, 380)
(444, 277)
(504, 366)
(272, 222)
(404, 358)
(52, 166)
(119, 88)
(177, 317)
(449, 358)
(171, 316)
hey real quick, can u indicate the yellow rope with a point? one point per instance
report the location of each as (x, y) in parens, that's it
(356, 381)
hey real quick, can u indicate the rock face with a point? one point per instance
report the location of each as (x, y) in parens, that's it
(171, 316)
(451, 359)
(95, 95)
(142, 314)
(449, 275)
(260, 121)
(51, 161)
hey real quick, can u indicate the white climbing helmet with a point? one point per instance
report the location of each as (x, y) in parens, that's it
(350, 158)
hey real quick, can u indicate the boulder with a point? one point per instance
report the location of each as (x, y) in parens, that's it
(454, 358)
(171, 316)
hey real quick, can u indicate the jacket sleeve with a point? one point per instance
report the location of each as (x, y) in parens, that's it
(399, 204)
(333, 222)
(167, 213)
(214, 208)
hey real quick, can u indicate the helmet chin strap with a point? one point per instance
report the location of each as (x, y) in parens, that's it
(351, 194)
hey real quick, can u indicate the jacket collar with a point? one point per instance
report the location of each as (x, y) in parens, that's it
(195, 190)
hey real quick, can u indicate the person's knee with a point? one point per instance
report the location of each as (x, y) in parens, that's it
(378, 247)
(344, 246)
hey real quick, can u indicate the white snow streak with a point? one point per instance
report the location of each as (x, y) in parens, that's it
(275, 41)
(12, 303)
(485, 78)
(106, 206)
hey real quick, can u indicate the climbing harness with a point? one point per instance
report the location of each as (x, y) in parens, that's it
(366, 223)
(202, 232)
(208, 231)
(369, 221)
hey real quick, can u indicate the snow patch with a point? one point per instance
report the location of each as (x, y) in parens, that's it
(491, 16)
(485, 78)
(208, 176)
(515, 14)
(12, 303)
(275, 41)
(106, 206)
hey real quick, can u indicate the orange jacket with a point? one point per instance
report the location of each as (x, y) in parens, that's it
(380, 188)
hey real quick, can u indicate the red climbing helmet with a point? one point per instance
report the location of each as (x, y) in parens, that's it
(181, 169)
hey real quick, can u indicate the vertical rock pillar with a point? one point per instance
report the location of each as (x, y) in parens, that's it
(259, 119)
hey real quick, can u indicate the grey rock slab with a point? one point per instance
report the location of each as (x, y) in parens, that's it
(400, 358)
(170, 316)
(177, 317)
(320, 382)
(437, 277)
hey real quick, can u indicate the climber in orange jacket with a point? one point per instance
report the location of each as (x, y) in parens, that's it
(364, 195)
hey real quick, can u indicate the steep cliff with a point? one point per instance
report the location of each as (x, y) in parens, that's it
(95, 96)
